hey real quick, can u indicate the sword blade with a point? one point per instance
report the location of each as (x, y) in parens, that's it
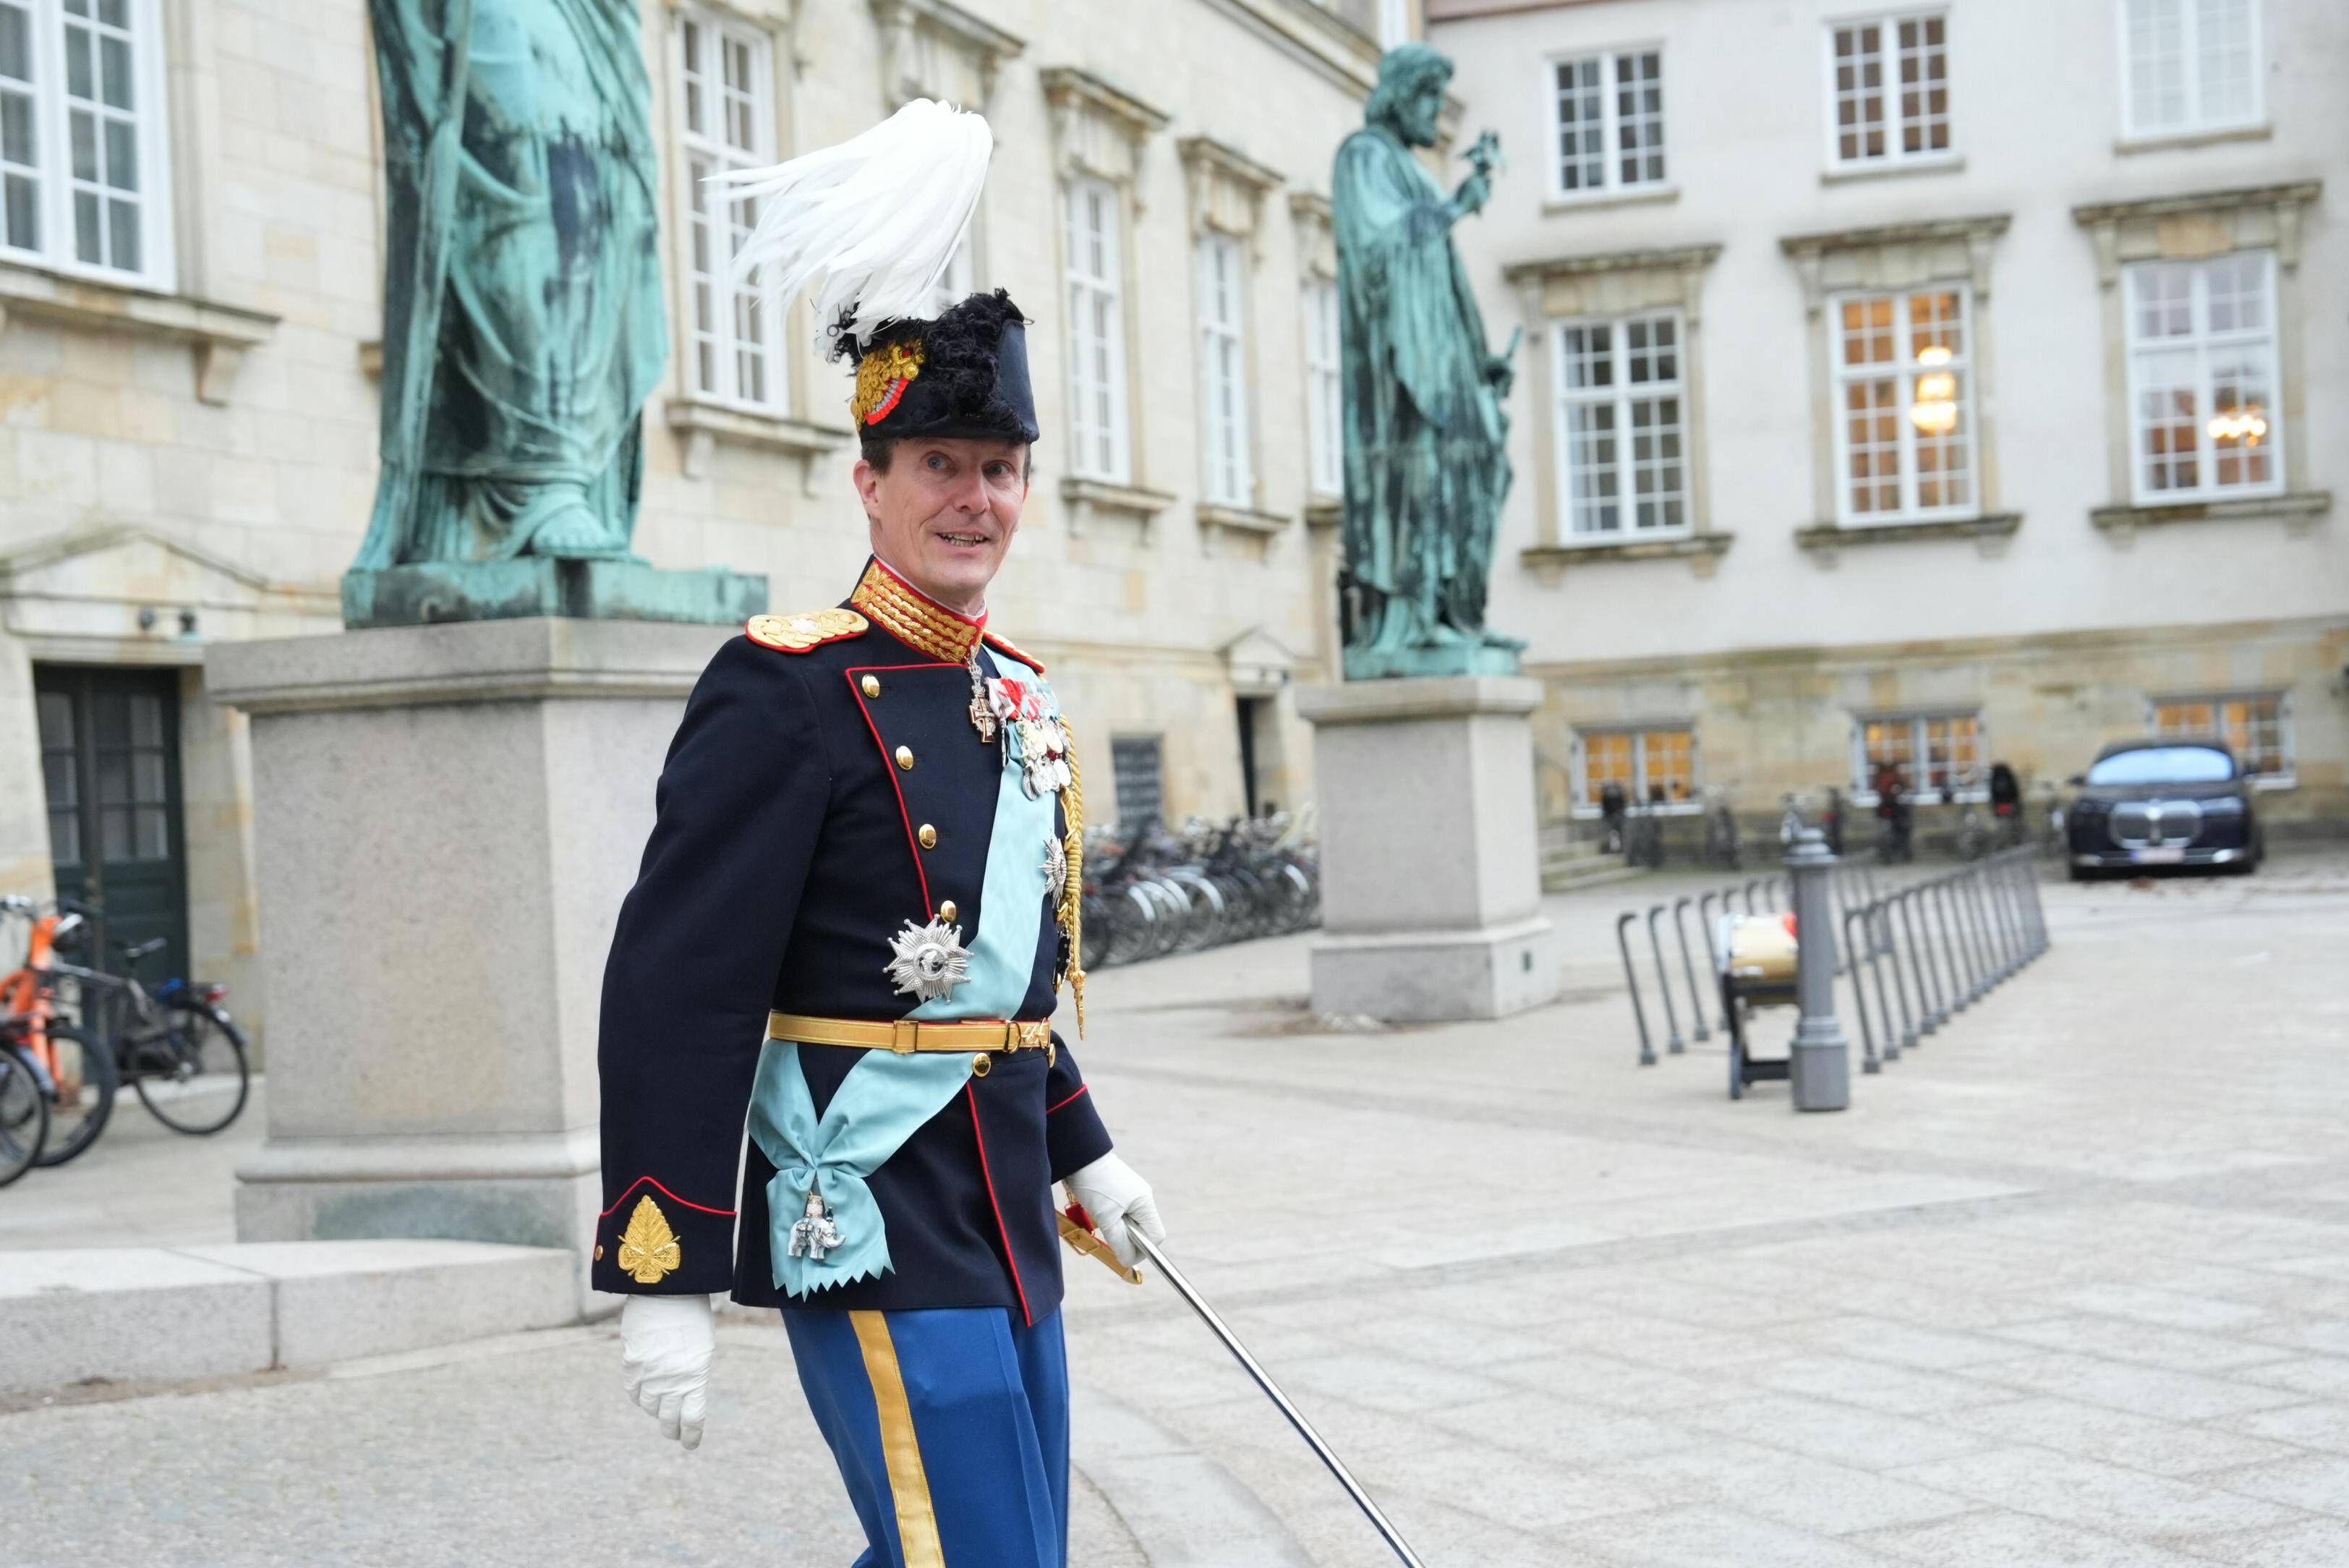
(1190, 1294)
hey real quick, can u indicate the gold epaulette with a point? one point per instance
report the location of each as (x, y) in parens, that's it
(1004, 645)
(810, 628)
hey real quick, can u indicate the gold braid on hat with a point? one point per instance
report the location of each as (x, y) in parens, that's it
(1071, 913)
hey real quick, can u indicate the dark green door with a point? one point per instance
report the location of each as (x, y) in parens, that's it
(110, 759)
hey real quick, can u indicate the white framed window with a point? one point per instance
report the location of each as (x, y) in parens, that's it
(1325, 404)
(1889, 80)
(1226, 477)
(1099, 448)
(2256, 726)
(1654, 763)
(1621, 419)
(1607, 114)
(2188, 66)
(85, 151)
(2201, 339)
(1904, 405)
(726, 95)
(1931, 751)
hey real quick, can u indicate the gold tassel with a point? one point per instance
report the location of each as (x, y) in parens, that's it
(1072, 895)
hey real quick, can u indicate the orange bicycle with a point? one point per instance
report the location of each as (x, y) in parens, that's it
(74, 1074)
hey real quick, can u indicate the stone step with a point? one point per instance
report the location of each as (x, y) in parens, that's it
(168, 1314)
(1568, 878)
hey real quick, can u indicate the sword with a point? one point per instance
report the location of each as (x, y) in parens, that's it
(1190, 1294)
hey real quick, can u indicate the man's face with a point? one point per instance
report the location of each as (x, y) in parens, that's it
(944, 515)
(1421, 112)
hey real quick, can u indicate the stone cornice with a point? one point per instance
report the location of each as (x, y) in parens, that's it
(1069, 87)
(2299, 193)
(986, 46)
(1671, 259)
(1227, 186)
(1988, 227)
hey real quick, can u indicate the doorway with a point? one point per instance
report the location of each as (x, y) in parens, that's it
(110, 767)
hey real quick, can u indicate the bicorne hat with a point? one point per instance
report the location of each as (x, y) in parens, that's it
(876, 220)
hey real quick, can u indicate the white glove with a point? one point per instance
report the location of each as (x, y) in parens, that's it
(1114, 1198)
(664, 1347)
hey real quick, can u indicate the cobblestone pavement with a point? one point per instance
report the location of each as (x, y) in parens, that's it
(2067, 1286)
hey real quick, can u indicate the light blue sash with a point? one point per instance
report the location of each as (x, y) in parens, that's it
(885, 1098)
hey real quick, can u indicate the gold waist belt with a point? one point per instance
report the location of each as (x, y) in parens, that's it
(906, 1034)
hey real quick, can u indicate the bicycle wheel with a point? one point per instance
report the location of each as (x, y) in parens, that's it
(86, 1082)
(23, 1117)
(194, 1078)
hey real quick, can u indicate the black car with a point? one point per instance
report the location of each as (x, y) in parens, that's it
(2164, 803)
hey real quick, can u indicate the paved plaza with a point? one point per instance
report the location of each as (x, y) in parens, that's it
(2069, 1286)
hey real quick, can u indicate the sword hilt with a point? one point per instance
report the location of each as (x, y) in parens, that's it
(1077, 1230)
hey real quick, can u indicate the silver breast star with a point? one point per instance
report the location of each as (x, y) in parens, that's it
(1056, 870)
(930, 961)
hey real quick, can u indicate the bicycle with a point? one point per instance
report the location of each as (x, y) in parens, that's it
(24, 1105)
(1973, 835)
(184, 1055)
(75, 1077)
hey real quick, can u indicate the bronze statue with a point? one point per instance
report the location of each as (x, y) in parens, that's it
(524, 320)
(1427, 464)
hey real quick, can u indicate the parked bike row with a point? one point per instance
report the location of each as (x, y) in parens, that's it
(1916, 955)
(71, 1036)
(1150, 892)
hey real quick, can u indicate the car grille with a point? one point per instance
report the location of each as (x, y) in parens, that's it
(2140, 823)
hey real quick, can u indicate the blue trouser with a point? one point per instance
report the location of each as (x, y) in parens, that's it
(951, 1427)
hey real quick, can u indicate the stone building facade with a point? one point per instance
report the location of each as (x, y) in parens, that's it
(190, 354)
(1949, 381)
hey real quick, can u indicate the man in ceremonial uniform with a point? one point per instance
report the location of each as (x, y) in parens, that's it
(849, 934)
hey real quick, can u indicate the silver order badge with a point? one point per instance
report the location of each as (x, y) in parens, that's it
(929, 960)
(815, 1234)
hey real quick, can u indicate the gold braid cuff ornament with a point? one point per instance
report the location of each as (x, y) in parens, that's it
(1072, 893)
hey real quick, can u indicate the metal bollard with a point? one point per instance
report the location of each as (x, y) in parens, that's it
(1750, 886)
(1696, 997)
(1820, 1070)
(1664, 983)
(1631, 983)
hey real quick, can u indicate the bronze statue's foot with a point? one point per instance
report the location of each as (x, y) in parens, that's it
(576, 533)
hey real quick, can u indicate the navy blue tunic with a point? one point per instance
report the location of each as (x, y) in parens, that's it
(785, 856)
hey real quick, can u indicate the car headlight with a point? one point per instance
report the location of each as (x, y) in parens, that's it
(2223, 806)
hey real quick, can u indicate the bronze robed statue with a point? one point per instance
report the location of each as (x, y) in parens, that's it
(1426, 457)
(524, 320)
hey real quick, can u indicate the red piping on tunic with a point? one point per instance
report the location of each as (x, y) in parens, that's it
(672, 1197)
(987, 1176)
(1081, 1089)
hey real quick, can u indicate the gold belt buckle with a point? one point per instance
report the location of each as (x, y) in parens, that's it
(905, 1035)
(1035, 1035)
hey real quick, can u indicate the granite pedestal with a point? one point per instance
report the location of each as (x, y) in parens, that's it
(445, 821)
(1430, 864)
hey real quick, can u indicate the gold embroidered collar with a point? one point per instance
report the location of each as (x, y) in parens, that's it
(897, 608)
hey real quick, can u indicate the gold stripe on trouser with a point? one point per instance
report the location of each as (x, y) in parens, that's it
(909, 1483)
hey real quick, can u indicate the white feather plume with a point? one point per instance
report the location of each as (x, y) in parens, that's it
(877, 218)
